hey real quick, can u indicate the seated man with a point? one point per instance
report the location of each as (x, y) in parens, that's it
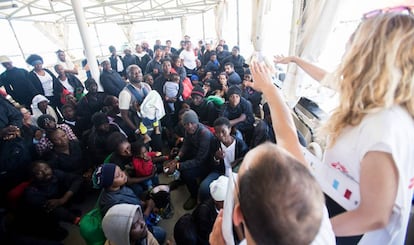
(239, 111)
(205, 110)
(192, 159)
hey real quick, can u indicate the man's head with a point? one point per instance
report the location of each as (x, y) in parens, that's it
(190, 121)
(222, 129)
(58, 137)
(166, 66)
(168, 43)
(233, 94)
(276, 195)
(197, 94)
(112, 50)
(41, 172)
(188, 45)
(124, 224)
(229, 68)
(6, 62)
(127, 51)
(158, 53)
(106, 65)
(134, 74)
(59, 69)
(91, 85)
(235, 51)
(61, 55)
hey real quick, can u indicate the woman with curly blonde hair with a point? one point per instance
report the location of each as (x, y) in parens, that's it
(370, 133)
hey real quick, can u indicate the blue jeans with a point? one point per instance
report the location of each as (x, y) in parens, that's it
(204, 191)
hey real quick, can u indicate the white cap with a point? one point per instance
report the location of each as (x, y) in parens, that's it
(5, 59)
(218, 188)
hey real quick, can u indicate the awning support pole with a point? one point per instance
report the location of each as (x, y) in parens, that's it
(17, 40)
(86, 40)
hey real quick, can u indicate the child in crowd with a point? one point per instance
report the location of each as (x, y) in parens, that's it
(142, 161)
(112, 179)
(170, 90)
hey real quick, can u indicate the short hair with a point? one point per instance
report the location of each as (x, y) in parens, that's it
(222, 121)
(111, 48)
(132, 67)
(32, 58)
(41, 121)
(114, 140)
(66, 106)
(294, 201)
(166, 60)
(89, 82)
(185, 231)
(229, 64)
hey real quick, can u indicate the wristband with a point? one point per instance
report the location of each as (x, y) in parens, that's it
(177, 158)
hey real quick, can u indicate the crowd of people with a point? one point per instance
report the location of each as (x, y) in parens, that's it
(197, 115)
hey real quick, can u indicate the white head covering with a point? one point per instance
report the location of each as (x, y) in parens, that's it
(37, 99)
(152, 106)
(218, 188)
(118, 221)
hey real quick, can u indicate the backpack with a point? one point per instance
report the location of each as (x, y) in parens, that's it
(90, 226)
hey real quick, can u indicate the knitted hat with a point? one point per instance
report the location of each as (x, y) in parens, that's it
(117, 222)
(103, 177)
(198, 90)
(218, 188)
(234, 90)
(194, 78)
(190, 117)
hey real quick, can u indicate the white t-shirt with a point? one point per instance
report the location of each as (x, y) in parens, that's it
(67, 85)
(189, 59)
(47, 83)
(229, 155)
(391, 131)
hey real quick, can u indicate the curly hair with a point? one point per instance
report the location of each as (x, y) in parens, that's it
(376, 73)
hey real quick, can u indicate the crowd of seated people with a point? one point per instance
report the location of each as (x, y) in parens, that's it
(149, 97)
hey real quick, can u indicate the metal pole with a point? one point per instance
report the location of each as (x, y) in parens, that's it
(99, 40)
(17, 40)
(204, 27)
(86, 40)
(238, 22)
